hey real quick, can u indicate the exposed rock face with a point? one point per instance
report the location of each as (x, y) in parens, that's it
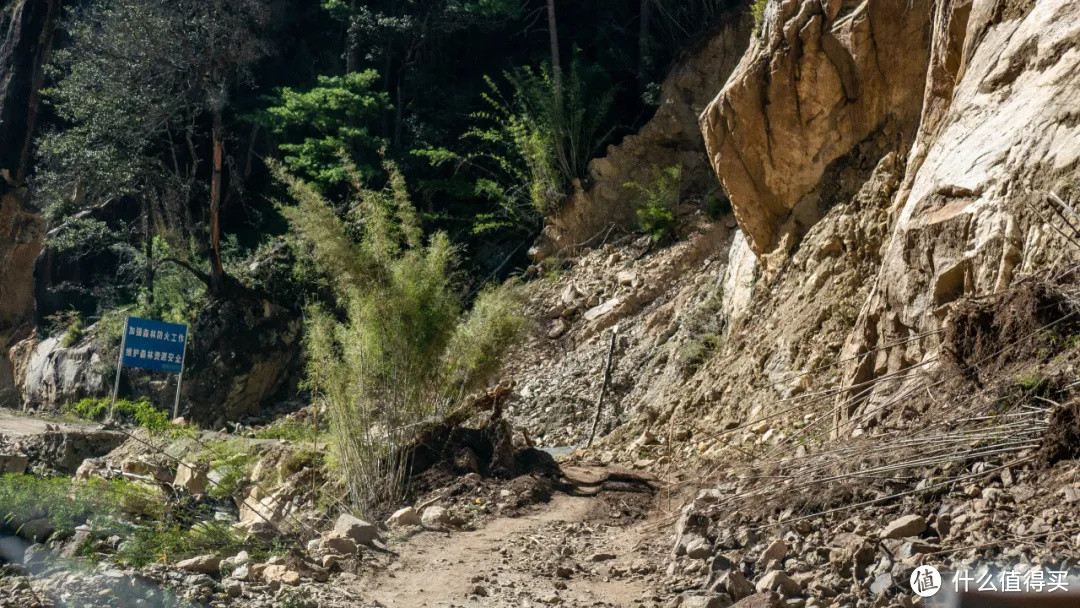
(26, 30)
(999, 129)
(670, 138)
(64, 450)
(49, 375)
(21, 231)
(822, 77)
(245, 348)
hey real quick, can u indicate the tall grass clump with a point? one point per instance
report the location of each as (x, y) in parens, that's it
(396, 349)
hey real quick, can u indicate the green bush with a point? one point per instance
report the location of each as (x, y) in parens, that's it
(531, 143)
(289, 430)
(758, 10)
(717, 205)
(336, 117)
(141, 412)
(69, 323)
(398, 346)
(657, 203)
(65, 503)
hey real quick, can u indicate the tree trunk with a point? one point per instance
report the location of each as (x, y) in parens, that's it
(399, 109)
(352, 49)
(643, 44)
(45, 42)
(217, 272)
(556, 63)
(148, 248)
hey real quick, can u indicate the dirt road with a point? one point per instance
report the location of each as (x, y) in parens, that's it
(562, 552)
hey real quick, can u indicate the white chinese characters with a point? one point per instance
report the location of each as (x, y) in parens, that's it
(1011, 581)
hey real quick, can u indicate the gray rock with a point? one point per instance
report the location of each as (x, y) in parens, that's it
(404, 517)
(191, 478)
(881, 584)
(338, 544)
(909, 525)
(203, 564)
(352, 527)
(434, 517)
(702, 599)
(778, 550)
(699, 548)
(780, 582)
(35, 554)
(13, 463)
(37, 530)
(943, 525)
(734, 584)
(761, 600)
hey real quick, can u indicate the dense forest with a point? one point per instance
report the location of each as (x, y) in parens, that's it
(159, 119)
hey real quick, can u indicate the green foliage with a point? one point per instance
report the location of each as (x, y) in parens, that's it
(383, 363)
(141, 412)
(154, 529)
(335, 119)
(136, 78)
(657, 203)
(81, 234)
(66, 322)
(65, 502)
(480, 340)
(534, 142)
(289, 430)
(758, 11)
(178, 295)
(178, 539)
(233, 460)
(717, 205)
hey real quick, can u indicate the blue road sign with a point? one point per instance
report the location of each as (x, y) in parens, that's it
(154, 345)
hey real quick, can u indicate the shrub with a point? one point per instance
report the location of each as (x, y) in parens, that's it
(717, 205)
(531, 143)
(657, 203)
(141, 412)
(69, 323)
(397, 346)
(289, 430)
(233, 460)
(758, 11)
(64, 502)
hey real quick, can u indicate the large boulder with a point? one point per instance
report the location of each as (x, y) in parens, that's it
(49, 374)
(242, 351)
(64, 448)
(355, 529)
(819, 79)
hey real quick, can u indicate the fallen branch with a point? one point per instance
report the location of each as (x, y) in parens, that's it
(604, 384)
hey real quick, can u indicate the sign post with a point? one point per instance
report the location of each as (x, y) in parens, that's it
(152, 345)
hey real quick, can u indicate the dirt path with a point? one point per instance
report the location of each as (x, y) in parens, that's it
(516, 562)
(16, 424)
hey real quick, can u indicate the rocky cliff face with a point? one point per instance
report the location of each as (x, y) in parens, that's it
(26, 29)
(998, 133)
(973, 103)
(820, 79)
(885, 160)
